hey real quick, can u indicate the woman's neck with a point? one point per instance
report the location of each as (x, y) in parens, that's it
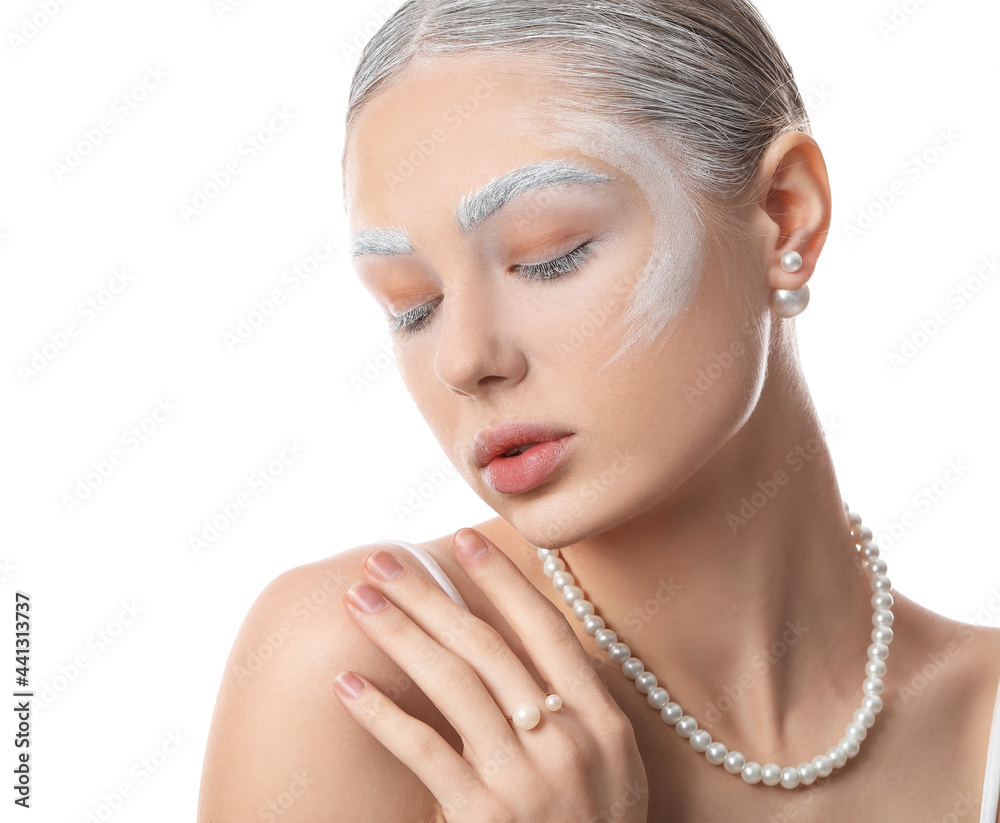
(743, 591)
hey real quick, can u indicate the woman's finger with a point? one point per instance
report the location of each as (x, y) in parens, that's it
(445, 773)
(547, 636)
(449, 678)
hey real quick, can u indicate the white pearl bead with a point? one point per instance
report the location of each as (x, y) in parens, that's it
(881, 583)
(605, 637)
(553, 702)
(863, 533)
(882, 634)
(571, 594)
(544, 553)
(850, 746)
(632, 668)
(823, 765)
(561, 580)
(878, 651)
(882, 617)
(866, 717)
(582, 608)
(869, 551)
(619, 653)
(645, 681)
(658, 697)
(790, 777)
(752, 772)
(877, 566)
(873, 685)
(789, 302)
(526, 716)
(872, 702)
(837, 755)
(552, 565)
(671, 713)
(686, 726)
(854, 519)
(859, 731)
(592, 623)
(807, 773)
(735, 762)
(700, 740)
(771, 775)
(791, 261)
(716, 753)
(882, 600)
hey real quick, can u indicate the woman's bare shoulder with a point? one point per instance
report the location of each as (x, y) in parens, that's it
(280, 738)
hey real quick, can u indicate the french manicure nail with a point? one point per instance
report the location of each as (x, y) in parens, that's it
(470, 543)
(349, 684)
(365, 597)
(384, 565)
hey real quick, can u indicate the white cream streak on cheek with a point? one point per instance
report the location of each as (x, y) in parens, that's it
(671, 275)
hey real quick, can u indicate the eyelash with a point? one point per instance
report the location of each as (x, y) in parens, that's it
(414, 320)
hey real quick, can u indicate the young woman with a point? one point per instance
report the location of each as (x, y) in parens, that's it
(590, 225)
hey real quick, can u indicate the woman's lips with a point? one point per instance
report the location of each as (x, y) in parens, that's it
(530, 468)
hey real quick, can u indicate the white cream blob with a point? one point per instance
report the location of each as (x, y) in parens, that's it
(670, 278)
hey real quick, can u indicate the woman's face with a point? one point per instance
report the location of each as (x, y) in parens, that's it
(644, 339)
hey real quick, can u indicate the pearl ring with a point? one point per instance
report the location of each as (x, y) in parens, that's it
(527, 715)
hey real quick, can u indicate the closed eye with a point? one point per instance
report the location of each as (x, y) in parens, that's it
(416, 318)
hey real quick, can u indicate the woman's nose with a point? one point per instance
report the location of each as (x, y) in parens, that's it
(477, 341)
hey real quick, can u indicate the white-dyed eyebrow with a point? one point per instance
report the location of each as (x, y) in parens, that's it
(474, 208)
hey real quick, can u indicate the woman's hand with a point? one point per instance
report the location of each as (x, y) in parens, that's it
(579, 764)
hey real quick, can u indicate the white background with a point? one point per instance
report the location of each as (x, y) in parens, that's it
(879, 91)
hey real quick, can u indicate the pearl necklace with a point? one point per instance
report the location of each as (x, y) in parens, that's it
(770, 774)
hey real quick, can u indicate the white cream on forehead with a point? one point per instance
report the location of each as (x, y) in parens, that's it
(671, 275)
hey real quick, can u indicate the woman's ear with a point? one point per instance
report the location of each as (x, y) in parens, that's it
(793, 207)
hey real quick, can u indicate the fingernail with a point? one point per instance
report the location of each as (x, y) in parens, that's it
(470, 543)
(384, 565)
(349, 684)
(365, 597)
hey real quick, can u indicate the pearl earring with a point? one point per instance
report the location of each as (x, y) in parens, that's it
(791, 261)
(790, 302)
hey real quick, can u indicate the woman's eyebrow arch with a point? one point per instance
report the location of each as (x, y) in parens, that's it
(476, 207)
